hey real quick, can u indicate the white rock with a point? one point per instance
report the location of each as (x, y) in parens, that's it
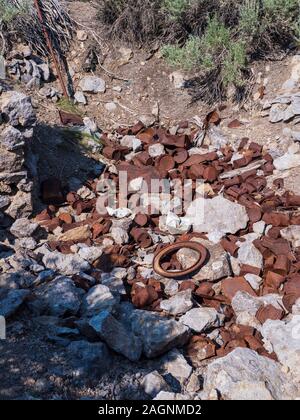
(80, 98)
(178, 304)
(217, 215)
(81, 35)
(175, 364)
(174, 224)
(254, 281)
(23, 228)
(156, 150)
(65, 264)
(98, 299)
(292, 234)
(244, 375)
(119, 213)
(248, 254)
(287, 161)
(154, 383)
(177, 79)
(131, 142)
(171, 396)
(110, 106)
(284, 337)
(202, 319)
(259, 227)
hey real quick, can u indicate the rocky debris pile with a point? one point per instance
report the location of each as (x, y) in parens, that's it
(86, 263)
(17, 118)
(25, 67)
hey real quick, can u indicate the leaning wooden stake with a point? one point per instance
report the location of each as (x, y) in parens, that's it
(50, 48)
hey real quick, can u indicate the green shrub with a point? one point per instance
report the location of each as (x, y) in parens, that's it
(176, 7)
(216, 39)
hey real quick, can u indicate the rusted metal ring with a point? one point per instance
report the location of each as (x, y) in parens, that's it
(170, 248)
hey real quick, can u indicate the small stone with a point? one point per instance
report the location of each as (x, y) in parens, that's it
(177, 79)
(110, 106)
(131, 142)
(98, 299)
(202, 319)
(92, 84)
(175, 364)
(153, 384)
(178, 304)
(116, 336)
(80, 98)
(11, 301)
(156, 150)
(23, 228)
(254, 281)
(248, 254)
(81, 234)
(65, 264)
(81, 35)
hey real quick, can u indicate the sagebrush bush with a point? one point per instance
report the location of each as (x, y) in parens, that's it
(216, 39)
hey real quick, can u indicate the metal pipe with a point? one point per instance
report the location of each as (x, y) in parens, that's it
(50, 47)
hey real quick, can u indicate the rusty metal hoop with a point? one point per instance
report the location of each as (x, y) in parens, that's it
(203, 253)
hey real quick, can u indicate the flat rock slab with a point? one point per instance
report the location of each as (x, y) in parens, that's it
(244, 375)
(158, 333)
(178, 304)
(67, 265)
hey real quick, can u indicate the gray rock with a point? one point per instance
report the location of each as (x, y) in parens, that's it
(116, 336)
(156, 150)
(21, 205)
(23, 228)
(114, 283)
(16, 279)
(4, 201)
(10, 161)
(178, 304)
(18, 108)
(244, 375)
(11, 301)
(98, 299)
(243, 302)
(202, 319)
(283, 337)
(158, 334)
(175, 364)
(131, 142)
(80, 98)
(154, 383)
(217, 267)
(11, 139)
(44, 277)
(277, 113)
(217, 216)
(65, 264)
(92, 84)
(59, 298)
(254, 281)
(93, 357)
